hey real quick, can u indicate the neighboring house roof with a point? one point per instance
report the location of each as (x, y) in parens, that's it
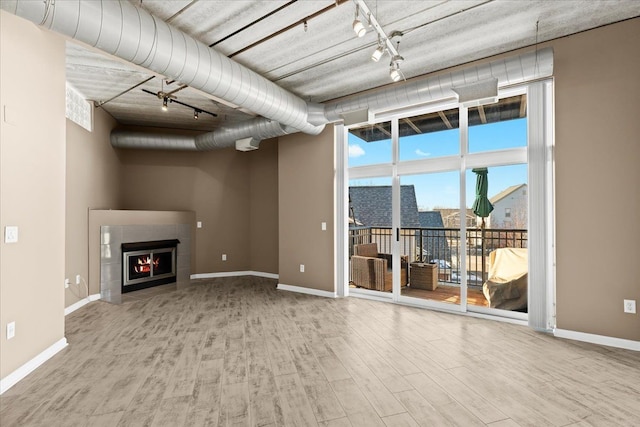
(434, 242)
(506, 192)
(430, 219)
(449, 212)
(372, 205)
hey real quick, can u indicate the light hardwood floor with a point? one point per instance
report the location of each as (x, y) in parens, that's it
(236, 351)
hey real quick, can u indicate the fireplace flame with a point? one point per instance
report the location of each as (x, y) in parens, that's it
(144, 264)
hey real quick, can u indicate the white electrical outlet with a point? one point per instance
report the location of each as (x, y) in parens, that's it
(11, 234)
(11, 330)
(301, 268)
(323, 226)
(630, 306)
(199, 224)
(77, 279)
(67, 282)
(224, 257)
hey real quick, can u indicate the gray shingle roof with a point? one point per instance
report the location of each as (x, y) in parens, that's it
(372, 205)
(434, 242)
(430, 219)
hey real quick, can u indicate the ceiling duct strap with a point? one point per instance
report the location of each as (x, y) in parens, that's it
(478, 93)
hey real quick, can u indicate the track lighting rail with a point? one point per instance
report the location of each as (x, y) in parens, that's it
(168, 98)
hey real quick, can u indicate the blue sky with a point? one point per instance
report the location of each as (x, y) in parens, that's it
(442, 189)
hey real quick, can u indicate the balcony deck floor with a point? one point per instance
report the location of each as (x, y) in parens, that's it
(447, 293)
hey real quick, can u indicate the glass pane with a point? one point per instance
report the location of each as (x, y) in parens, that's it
(139, 266)
(430, 235)
(162, 263)
(497, 255)
(429, 135)
(498, 126)
(370, 144)
(370, 234)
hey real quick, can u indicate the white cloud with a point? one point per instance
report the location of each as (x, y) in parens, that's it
(419, 152)
(355, 151)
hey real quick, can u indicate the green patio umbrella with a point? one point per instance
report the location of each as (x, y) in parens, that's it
(482, 206)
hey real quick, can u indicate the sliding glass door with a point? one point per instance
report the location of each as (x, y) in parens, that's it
(413, 185)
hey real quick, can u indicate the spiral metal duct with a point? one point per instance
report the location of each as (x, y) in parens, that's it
(258, 129)
(121, 29)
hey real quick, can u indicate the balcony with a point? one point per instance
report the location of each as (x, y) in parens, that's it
(442, 247)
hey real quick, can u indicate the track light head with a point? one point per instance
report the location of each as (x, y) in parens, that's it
(377, 54)
(165, 101)
(359, 28)
(394, 72)
(195, 114)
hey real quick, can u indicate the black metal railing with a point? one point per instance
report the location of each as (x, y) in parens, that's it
(442, 246)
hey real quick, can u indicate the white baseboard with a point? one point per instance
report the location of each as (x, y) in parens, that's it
(598, 339)
(81, 303)
(12, 379)
(234, 274)
(301, 290)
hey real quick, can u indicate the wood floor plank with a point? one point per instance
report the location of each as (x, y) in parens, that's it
(380, 397)
(172, 412)
(400, 420)
(332, 368)
(340, 422)
(234, 407)
(358, 409)
(111, 419)
(296, 409)
(235, 361)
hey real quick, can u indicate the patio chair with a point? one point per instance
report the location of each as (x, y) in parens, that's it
(372, 270)
(506, 287)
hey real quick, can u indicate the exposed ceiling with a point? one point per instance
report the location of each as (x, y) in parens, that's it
(324, 60)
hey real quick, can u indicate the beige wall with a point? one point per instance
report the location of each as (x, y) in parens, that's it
(263, 214)
(217, 186)
(306, 193)
(92, 182)
(597, 87)
(32, 189)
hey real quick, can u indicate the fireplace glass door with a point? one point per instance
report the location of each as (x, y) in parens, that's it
(146, 265)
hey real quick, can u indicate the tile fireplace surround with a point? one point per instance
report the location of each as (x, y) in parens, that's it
(113, 236)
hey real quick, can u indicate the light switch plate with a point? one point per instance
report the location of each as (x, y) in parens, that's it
(11, 330)
(11, 234)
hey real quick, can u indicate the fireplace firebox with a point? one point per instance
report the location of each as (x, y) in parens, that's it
(146, 264)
